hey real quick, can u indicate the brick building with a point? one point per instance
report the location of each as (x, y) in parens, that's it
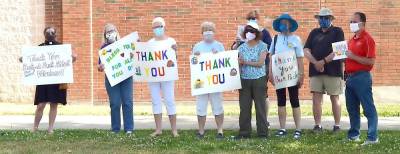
(80, 23)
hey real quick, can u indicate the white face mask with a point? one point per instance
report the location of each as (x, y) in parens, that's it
(354, 27)
(208, 36)
(111, 37)
(250, 36)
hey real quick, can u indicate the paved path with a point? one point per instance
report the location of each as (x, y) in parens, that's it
(184, 122)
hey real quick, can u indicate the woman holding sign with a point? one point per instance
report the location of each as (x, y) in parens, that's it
(164, 88)
(120, 94)
(207, 45)
(283, 43)
(52, 94)
(253, 78)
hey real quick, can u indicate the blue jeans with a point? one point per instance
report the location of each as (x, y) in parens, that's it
(359, 91)
(121, 94)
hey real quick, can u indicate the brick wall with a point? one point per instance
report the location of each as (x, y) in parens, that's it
(83, 21)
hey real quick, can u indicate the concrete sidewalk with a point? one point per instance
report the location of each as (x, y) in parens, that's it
(184, 122)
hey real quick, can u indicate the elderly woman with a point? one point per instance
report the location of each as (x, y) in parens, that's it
(254, 16)
(286, 41)
(208, 45)
(164, 88)
(52, 94)
(120, 94)
(253, 78)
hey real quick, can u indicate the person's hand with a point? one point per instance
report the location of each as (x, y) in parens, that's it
(175, 47)
(301, 80)
(271, 78)
(74, 56)
(197, 53)
(350, 54)
(100, 67)
(330, 57)
(20, 59)
(241, 61)
(214, 51)
(319, 65)
(131, 54)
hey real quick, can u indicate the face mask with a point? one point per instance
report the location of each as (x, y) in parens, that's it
(253, 20)
(283, 28)
(208, 36)
(111, 37)
(324, 23)
(250, 36)
(158, 31)
(354, 27)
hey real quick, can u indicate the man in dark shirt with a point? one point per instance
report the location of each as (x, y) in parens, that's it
(325, 74)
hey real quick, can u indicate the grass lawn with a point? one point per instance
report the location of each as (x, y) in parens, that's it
(102, 141)
(188, 108)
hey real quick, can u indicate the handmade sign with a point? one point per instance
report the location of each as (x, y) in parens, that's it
(117, 59)
(212, 73)
(284, 69)
(44, 65)
(154, 62)
(340, 49)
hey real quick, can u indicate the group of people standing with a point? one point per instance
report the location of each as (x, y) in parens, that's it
(255, 46)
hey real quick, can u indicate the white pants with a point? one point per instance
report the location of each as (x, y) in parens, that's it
(167, 90)
(216, 104)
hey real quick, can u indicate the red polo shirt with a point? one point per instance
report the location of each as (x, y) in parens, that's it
(363, 46)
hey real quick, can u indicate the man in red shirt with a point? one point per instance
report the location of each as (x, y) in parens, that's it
(359, 62)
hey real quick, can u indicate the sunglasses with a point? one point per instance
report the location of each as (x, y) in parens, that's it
(353, 22)
(252, 18)
(251, 30)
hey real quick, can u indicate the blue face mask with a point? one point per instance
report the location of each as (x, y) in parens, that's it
(324, 23)
(253, 20)
(283, 28)
(159, 31)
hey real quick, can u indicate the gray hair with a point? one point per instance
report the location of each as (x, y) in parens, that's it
(207, 26)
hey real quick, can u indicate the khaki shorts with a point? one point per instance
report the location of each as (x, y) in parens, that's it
(331, 85)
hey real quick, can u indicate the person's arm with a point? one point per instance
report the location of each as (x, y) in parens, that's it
(361, 60)
(270, 75)
(300, 65)
(258, 63)
(74, 56)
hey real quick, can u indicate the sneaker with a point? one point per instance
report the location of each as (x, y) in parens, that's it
(281, 133)
(129, 132)
(297, 134)
(200, 136)
(317, 129)
(369, 142)
(354, 139)
(268, 125)
(336, 129)
(219, 136)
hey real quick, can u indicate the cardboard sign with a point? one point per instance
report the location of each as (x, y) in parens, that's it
(212, 73)
(117, 59)
(340, 49)
(44, 65)
(284, 69)
(154, 62)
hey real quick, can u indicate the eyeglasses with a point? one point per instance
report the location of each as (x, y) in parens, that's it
(252, 18)
(158, 27)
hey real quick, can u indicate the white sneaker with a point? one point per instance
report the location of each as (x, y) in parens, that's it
(354, 139)
(368, 142)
